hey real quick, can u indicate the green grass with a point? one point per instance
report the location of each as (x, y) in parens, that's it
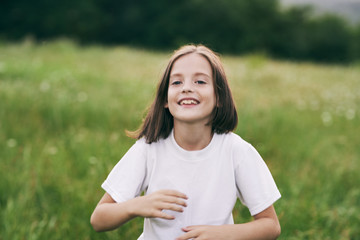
(64, 109)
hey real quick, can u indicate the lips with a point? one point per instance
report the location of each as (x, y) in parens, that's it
(188, 101)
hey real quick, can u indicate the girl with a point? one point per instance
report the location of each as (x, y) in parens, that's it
(188, 162)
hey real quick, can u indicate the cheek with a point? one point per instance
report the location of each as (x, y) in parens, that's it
(214, 97)
(169, 101)
(170, 96)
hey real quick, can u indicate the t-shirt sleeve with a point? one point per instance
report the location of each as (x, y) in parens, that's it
(127, 179)
(256, 187)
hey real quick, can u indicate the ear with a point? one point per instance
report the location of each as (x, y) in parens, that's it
(166, 105)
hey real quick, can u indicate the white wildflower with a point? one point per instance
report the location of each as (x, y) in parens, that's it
(52, 150)
(350, 114)
(44, 86)
(93, 160)
(82, 97)
(11, 143)
(326, 118)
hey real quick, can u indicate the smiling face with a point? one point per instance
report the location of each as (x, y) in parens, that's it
(191, 95)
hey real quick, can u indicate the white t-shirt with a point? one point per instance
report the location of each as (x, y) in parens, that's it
(212, 178)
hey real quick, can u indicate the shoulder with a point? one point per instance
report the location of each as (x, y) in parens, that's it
(142, 146)
(139, 145)
(239, 148)
(139, 149)
(234, 141)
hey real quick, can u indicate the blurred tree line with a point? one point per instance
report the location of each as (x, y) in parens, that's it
(229, 26)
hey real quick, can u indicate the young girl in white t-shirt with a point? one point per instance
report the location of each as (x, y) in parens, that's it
(189, 163)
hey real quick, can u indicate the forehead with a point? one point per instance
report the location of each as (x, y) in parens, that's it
(192, 63)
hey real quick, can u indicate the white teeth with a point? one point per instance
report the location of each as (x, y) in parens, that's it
(188, 102)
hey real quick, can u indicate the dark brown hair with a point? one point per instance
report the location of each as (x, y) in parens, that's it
(159, 122)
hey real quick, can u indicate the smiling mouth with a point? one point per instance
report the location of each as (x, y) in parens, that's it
(188, 102)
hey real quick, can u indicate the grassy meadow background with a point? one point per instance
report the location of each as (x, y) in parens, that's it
(64, 109)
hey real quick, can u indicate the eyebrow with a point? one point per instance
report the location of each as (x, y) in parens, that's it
(196, 74)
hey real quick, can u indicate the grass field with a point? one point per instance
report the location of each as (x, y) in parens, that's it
(64, 109)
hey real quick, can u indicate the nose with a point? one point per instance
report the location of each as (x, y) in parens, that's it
(187, 87)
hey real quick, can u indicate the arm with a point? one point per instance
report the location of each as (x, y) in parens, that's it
(109, 215)
(265, 226)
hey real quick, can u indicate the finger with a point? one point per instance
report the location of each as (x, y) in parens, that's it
(175, 200)
(191, 228)
(185, 229)
(173, 207)
(164, 215)
(174, 193)
(188, 235)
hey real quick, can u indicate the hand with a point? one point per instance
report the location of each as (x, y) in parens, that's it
(202, 232)
(152, 205)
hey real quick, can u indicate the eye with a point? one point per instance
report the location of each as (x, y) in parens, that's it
(199, 81)
(176, 82)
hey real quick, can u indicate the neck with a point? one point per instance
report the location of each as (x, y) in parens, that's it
(192, 137)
